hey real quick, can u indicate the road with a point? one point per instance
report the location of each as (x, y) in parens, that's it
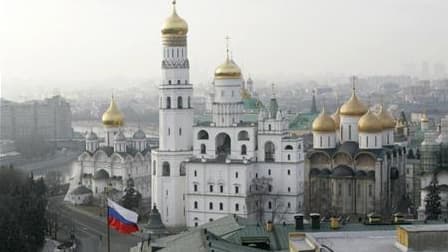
(89, 230)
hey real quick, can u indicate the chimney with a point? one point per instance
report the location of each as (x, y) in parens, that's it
(269, 226)
(299, 221)
(315, 220)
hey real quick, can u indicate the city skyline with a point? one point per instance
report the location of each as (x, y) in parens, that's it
(64, 42)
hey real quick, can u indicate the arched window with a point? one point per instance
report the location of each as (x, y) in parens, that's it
(211, 188)
(195, 187)
(289, 189)
(269, 152)
(166, 169)
(243, 136)
(195, 205)
(223, 144)
(168, 102)
(202, 135)
(221, 206)
(289, 204)
(288, 147)
(237, 207)
(289, 172)
(210, 205)
(188, 100)
(182, 169)
(270, 205)
(269, 172)
(179, 102)
(236, 174)
(169, 82)
(203, 149)
(269, 127)
(289, 157)
(243, 149)
(195, 173)
(178, 82)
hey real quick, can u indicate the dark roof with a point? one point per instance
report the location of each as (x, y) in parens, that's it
(343, 171)
(314, 172)
(360, 173)
(349, 147)
(325, 172)
(81, 190)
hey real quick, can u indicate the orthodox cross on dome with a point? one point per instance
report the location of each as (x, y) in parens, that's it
(354, 79)
(227, 38)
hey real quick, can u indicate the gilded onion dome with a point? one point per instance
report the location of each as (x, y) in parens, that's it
(228, 70)
(424, 118)
(323, 123)
(386, 119)
(174, 25)
(336, 116)
(369, 123)
(353, 107)
(113, 117)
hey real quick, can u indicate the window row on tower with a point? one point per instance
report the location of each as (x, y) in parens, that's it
(169, 103)
(172, 52)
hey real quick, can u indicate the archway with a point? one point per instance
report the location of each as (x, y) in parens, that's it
(269, 152)
(223, 144)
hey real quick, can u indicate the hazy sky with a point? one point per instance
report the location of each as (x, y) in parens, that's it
(103, 39)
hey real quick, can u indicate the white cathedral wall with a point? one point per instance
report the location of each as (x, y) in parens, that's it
(349, 128)
(324, 140)
(388, 137)
(173, 134)
(276, 139)
(235, 144)
(370, 140)
(207, 174)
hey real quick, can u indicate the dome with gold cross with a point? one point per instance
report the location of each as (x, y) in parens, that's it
(174, 25)
(369, 123)
(324, 123)
(353, 107)
(113, 117)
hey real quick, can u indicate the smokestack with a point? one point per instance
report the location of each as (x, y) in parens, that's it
(299, 221)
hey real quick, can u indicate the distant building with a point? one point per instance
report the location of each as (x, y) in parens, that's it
(434, 163)
(50, 118)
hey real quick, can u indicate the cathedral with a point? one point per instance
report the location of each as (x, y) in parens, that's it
(109, 164)
(354, 167)
(206, 170)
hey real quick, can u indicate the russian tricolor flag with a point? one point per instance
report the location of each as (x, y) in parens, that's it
(120, 218)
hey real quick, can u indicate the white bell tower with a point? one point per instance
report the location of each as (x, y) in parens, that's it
(175, 123)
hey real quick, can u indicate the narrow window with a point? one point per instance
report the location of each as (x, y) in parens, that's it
(270, 205)
(210, 205)
(269, 127)
(221, 206)
(221, 188)
(180, 131)
(349, 189)
(211, 188)
(179, 102)
(289, 157)
(339, 189)
(349, 132)
(289, 189)
(178, 82)
(269, 172)
(387, 138)
(188, 99)
(237, 207)
(169, 82)
(370, 190)
(168, 102)
(195, 205)
(195, 224)
(289, 204)
(342, 132)
(203, 149)
(270, 188)
(195, 173)
(233, 93)
(367, 141)
(376, 142)
(320, 142)
(289, 172)
(169, 131)
(177, 53)
(236, 174)
(328, 141)
(195, 187)
(243, 149)
(237, 189)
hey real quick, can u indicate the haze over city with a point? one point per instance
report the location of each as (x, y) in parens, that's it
(62, 43)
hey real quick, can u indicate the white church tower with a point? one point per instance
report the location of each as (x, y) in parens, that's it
(175, 124)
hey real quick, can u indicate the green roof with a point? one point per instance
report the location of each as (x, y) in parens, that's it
(302, 121)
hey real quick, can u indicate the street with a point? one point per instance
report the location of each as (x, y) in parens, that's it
(90, 231)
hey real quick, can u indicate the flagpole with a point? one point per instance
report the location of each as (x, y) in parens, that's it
(108, 227)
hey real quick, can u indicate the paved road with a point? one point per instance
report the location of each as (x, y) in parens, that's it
(91, 231)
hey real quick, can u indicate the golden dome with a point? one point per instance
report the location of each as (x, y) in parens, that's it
(174, 25)
(353, 107)
(386, 119)
(369, 123)
(228, 70)
(323, 123)
(113, 117)
(424, 118)
(337, 117)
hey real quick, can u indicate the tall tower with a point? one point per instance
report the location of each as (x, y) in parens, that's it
(227, 106)
(175, 123)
